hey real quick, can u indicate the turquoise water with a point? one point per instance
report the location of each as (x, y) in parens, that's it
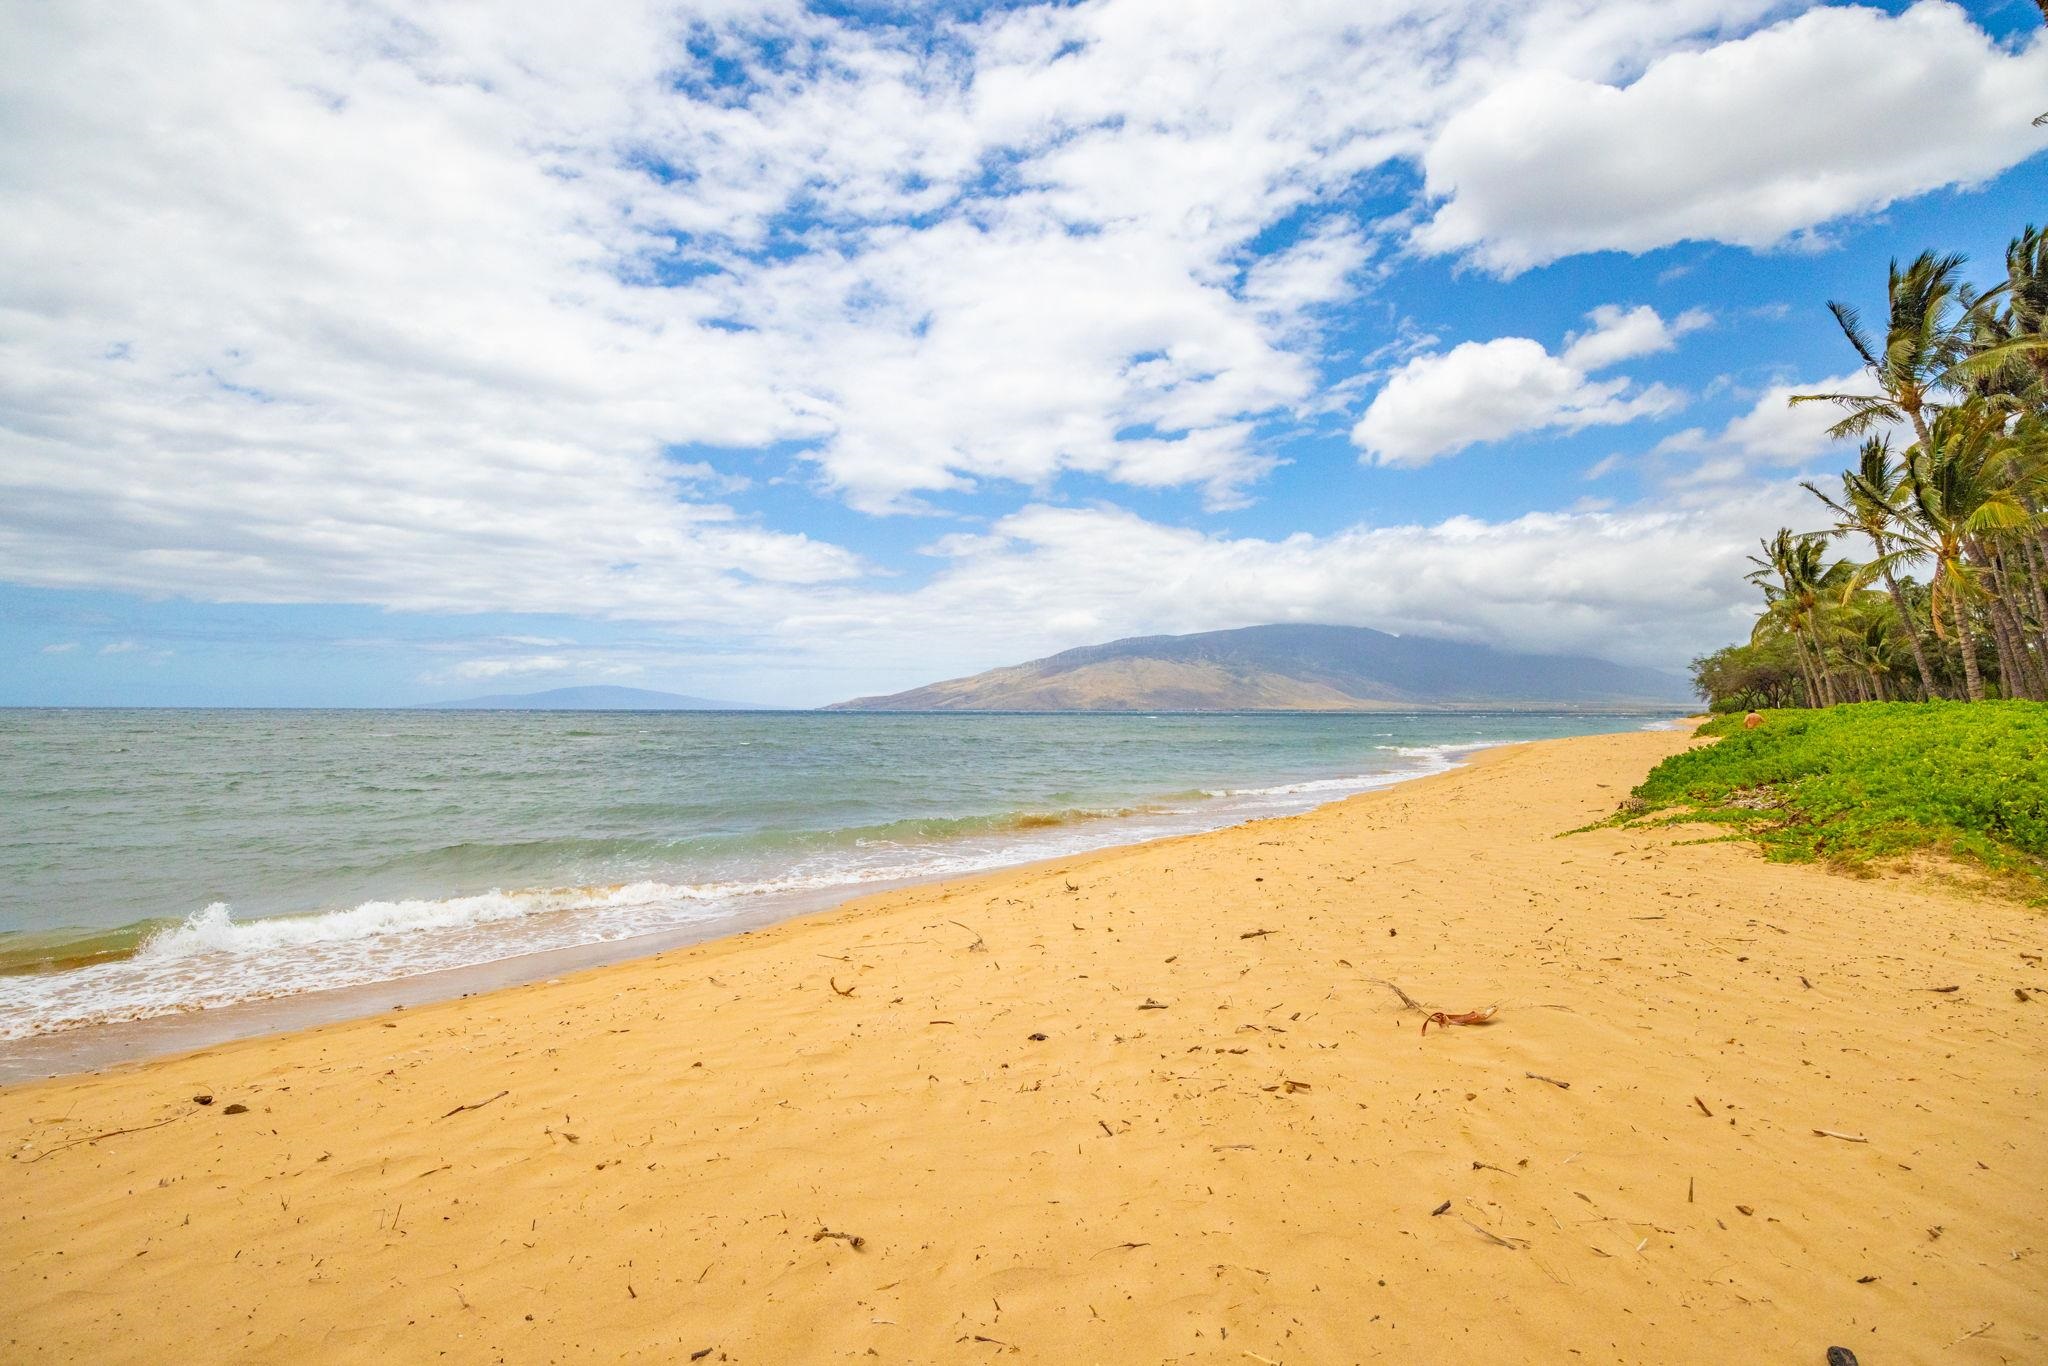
(153, 862)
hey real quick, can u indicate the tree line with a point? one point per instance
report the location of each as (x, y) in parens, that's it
(1949, 495)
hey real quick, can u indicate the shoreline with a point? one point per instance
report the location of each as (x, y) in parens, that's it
(112, 1043)
(1152, 1102)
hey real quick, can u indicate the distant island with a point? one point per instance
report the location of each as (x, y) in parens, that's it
(588, 699)
(1293, 668)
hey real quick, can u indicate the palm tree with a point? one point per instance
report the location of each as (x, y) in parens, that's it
(2026, 284)
(2027, 467)
(2012, 542)
(1866, 631)
(2015, 332)
(1795, 603)
(2018, 384)
(1933, 345)
(1959, 498)
(1870, 507)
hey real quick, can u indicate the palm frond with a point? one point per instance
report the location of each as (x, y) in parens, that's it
(1851, 323)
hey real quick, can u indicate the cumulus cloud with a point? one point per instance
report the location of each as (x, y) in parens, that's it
(1753, 141)
(1439, 403)
(363, 302)
(1785, 433)
(472, 669)
(1620, 334)
(488, 668)
(1773, 432)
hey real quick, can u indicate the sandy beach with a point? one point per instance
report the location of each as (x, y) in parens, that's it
(1158, 1103)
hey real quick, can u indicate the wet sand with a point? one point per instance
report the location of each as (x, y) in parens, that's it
(1228, 1146)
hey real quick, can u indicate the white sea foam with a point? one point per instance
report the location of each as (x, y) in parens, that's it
(1435, 759)
(215, 931)
(1443, 756)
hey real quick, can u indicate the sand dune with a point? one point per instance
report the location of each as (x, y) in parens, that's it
(672, 1159)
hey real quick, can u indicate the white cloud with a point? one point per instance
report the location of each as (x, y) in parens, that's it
(365, 247)
(120, 647)
(581, 666)
(1778, 430)
(1620, 334)
(1774, 431)
(508, 668)
(1837, 111)
(1438, 404)
(401, 267)
(63, 647)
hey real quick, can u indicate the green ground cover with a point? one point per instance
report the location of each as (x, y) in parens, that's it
(1874, 781)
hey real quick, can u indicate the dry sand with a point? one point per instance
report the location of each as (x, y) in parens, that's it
(1248, 1173)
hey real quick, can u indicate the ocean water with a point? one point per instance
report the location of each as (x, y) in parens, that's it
(158, 862)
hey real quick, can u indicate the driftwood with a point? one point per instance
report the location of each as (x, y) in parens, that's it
(853, 1239)
(478, 1106)
(111, 1133)
(837, 990)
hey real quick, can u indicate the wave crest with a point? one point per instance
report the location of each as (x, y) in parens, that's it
(214, 930)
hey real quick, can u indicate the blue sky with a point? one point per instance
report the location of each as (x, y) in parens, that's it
(360, 354)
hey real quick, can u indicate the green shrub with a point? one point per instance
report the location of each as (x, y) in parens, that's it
(1876, 780)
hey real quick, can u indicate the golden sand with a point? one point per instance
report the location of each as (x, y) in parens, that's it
(843, 1138)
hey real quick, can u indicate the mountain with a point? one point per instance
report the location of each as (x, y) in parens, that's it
(587, 699)
(1291, 668)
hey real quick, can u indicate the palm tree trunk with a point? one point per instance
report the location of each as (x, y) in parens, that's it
(1823, 678)
(2011, 613)
(2032, 667)
(1805, 669)
(1973, 682)
(2040, 575)
(2015, 664)
(2038, 591)
(2037, 575)
(1891, 584)
(2010, 682)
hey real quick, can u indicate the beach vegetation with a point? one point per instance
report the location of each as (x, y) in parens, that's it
(1873, 781)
